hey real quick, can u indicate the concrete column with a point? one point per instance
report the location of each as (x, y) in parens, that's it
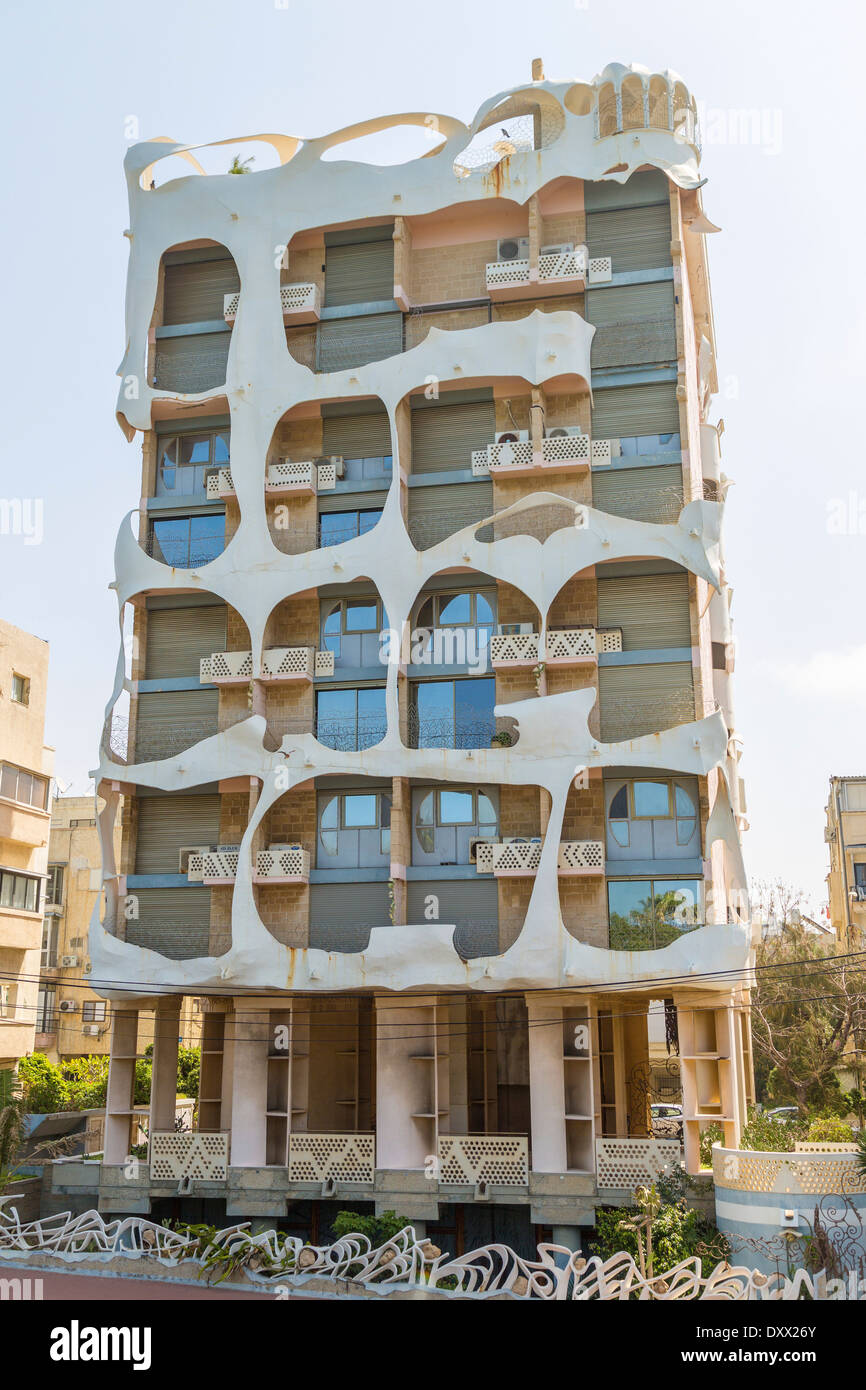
(635, 1035)
(251, 1030)
(406, 1083)
(121, 1079)
(546, 1087)
(163, 1084)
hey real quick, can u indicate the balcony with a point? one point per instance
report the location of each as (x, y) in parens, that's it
(218, 866)
(201, 1156)
(300, 303)
(630, 1163)
(559, 269)
(559, 453)
(319, 1158)
(572, 646)
(25, 824)
(518, 858)
(279, 664)
(497, 1160)
(300, 479)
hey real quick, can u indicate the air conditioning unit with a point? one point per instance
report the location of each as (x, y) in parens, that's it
(90, 1030)
(278, 848)
(560, 249)
(514, 629)
(511, 437)
(509, 248)
(184, 853)
(68, 1006)
(473, 847)
(563, 432)
(336, 460)
(68, 962)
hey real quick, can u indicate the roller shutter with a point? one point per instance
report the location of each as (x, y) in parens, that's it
(643, 494)
(189, 364)
(444, 436)
(638, 700)
(359, 274)
(621, 412)
(357, 436)
(634, 238)
(344, 343)
(167, 823)
(651, 609)
(170, 721)
(194, 292)
(173, 921)
(439, 511)
(473, 907)
(341, 914)
(342, 502)
(634, 324)
(648, 186)
(177, 638)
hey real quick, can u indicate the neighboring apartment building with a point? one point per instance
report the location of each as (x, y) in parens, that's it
(72, 1020)
(26, 765)
(845, 834)
(427, 902)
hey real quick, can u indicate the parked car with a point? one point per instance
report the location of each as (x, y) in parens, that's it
(667, 1120)
(784, 1114)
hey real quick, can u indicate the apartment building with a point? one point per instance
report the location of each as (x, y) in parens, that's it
(72, 1020)
(845, 834)
(26, 765)
(425, 744)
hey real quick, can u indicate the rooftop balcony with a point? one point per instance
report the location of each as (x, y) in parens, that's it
(559, 453)
(279, 664)
(573, 646)
(559, 268)
(300, 303)
(516, 858)
(216, 866)
(304, 479)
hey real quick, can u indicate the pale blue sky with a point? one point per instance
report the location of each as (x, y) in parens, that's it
(787, 277)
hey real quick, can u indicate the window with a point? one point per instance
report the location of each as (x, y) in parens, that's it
(454, 714)
(49, 942)
(54, 884)
(351, 628)
(336, 527)
(24, 787)
(19, 892)
(93, 1011)
(45, 1009)
(342, 818)
(351, 719)
(185, 459)
(20, 689)
(454, 808)
(186, 542)
(360, 469)
(860, 881)
(650, 799)
(645, 914)
(654, 819)
(640, 444)
(463, 622)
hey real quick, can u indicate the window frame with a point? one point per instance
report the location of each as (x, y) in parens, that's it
(22, 682)
(211, 435)
(355, 690)
(90, 1008)
(453, 681)
(36, 779)
(15, 875)
(357, 512)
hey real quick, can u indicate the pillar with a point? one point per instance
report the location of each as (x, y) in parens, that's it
(546, 1087)
(163, 1084)
(407, 1089)
(121, 1082)
(250, 1083)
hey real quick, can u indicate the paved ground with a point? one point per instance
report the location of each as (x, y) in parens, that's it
(59, 1286)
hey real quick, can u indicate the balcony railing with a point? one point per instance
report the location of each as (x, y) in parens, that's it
(277, 864)
(278, 664)
(500, 1160)
(300, 303)
(184, 554)
(558, 453)
(201, 1156)
(304, 478)
(572, 266)
(154, 744)
(632, 1162)
(521, 858)
(451, 733)
(564, 647)
(317, 1157)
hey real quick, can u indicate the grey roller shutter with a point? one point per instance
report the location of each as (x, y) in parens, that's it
(170, 721)
(194, 292)
(357, 436)
(168, 823)
(651, 609)
(173, 921)
(648, 186)
(344, 343)
(341, 914)
(439, 511)
(634, 238)
(634, 324)
(444, 436)
(189, 364)
(359, 274)
(177, 638)
(473, 907)
(621, 412)
(344, 502)
(643, 494)
(638, 700)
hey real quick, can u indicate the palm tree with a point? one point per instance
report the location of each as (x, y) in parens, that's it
(240, 166)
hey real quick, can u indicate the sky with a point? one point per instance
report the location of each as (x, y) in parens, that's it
(779, 85)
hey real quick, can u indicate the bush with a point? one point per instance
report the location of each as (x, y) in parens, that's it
(87, 1082)
(43, 1087)
(830, 1129)
(773, 1136)
(679, 1233)
(378, 1229)
(713, 1134)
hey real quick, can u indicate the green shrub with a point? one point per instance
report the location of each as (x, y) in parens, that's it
(678, 1231)
(772, 1136)
(830, 1129)
(713, 1134)
(86, 1081)
(378, 1229)
(43, 1087)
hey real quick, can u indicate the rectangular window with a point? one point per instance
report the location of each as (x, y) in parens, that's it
(19, 892)
(24, 787)
(93, 1011)
(54, 885)
(351, 719)
(45, 1011)
(185, 459)
(20, 689)
(646, 914)
(49, 942)
(187, 542)
(337, 527)
(454, 714)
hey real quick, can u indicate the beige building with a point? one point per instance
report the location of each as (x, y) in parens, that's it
(25, 791)
(845, 834)
(72, 1020)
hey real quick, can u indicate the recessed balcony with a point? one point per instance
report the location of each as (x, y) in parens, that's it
(300, 303)
(572, 646)
(279, 664)
(218, 866)
(518, 858)
(558, 270)
(560, 452)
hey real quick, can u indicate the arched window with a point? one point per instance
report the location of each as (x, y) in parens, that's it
(632, 104)
(607, 111)
(659, 118)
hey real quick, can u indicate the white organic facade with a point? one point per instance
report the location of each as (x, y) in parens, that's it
(539, 536)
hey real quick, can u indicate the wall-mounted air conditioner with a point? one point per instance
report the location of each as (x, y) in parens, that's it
(510, 248)
(68, 962)
(514, 629)
(561, 248)
(68, 1006)
(473, 847)
(337, 460)
(563, 432)
(184, 853)
(90, 1030)
(511, 437)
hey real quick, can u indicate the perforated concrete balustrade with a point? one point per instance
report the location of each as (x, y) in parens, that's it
(499, 1159)
(203, 1157)
(557, 265)
(300, 303)
(558, 452)
(564, 646)
(277, 864)
(521, 858)
(631, 1163)
(315, 1157)
(301, 478)
(809, 1172)
(278, 664)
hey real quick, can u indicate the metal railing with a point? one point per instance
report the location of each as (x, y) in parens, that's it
(451, 733)
(628, 717)
(151, 745)
(651, 935)
(184, 555)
